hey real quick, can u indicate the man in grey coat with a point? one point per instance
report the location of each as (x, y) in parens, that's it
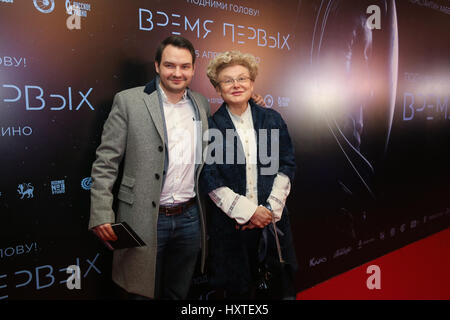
(157, 132)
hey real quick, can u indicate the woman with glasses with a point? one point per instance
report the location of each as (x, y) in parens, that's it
(248, 173)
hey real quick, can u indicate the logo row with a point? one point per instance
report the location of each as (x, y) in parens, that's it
(26, 190)
(72, 7)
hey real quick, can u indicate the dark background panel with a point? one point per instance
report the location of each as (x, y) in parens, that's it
(320, 67)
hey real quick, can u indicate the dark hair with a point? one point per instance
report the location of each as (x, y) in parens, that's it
(176, 41)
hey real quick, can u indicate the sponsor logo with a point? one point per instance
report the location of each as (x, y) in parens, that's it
(25, 189)
(316, 261)
(58, 187)
(342, 252)
(44, 6)
(268, 100)
(77, 8)
(86, 183)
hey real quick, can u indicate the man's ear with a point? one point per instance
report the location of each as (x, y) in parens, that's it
(157, 67)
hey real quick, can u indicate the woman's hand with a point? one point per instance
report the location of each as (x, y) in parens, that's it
(262, 217)
(248, 226)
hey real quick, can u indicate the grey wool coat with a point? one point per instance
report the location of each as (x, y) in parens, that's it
(135, 133)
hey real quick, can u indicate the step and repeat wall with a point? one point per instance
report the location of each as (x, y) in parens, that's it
(362, 85)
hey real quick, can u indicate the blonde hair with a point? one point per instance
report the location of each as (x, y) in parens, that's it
(231, 58)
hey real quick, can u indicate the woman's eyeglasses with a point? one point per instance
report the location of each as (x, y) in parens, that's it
(230, 82)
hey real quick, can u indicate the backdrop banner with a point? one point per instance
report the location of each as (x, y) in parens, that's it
(362, 85)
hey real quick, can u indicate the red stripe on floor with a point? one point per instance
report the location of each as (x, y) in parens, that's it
(418, 271)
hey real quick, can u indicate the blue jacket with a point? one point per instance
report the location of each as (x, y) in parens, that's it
(233, 175)
(228, 258)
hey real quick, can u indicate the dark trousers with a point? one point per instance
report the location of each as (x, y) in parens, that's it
(179, 240)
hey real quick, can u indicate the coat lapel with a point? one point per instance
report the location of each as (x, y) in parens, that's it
(204, 119)
(153, 107)
(257, 116)
(223, 118)
(224, 122)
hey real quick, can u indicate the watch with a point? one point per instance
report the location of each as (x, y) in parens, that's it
(268, 206)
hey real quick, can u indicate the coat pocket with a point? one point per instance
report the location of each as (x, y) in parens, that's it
(125, 196)
(128, 181)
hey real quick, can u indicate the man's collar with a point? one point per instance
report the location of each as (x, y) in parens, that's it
(164, 95)
(166, 100)
(151, 86)
(154, 85)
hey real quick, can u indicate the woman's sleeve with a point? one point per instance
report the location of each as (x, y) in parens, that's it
(286, 172)
(233, 205)
(277, 198)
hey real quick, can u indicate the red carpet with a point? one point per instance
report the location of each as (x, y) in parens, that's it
(418, 271)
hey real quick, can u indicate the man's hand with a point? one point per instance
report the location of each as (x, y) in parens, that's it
(258, 99)
(105, 232)
(262, 217)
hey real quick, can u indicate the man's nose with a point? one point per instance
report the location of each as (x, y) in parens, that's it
(177, 72)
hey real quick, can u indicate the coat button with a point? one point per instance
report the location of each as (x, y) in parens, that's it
(153, 204)
(157, 176)
(160, 148)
